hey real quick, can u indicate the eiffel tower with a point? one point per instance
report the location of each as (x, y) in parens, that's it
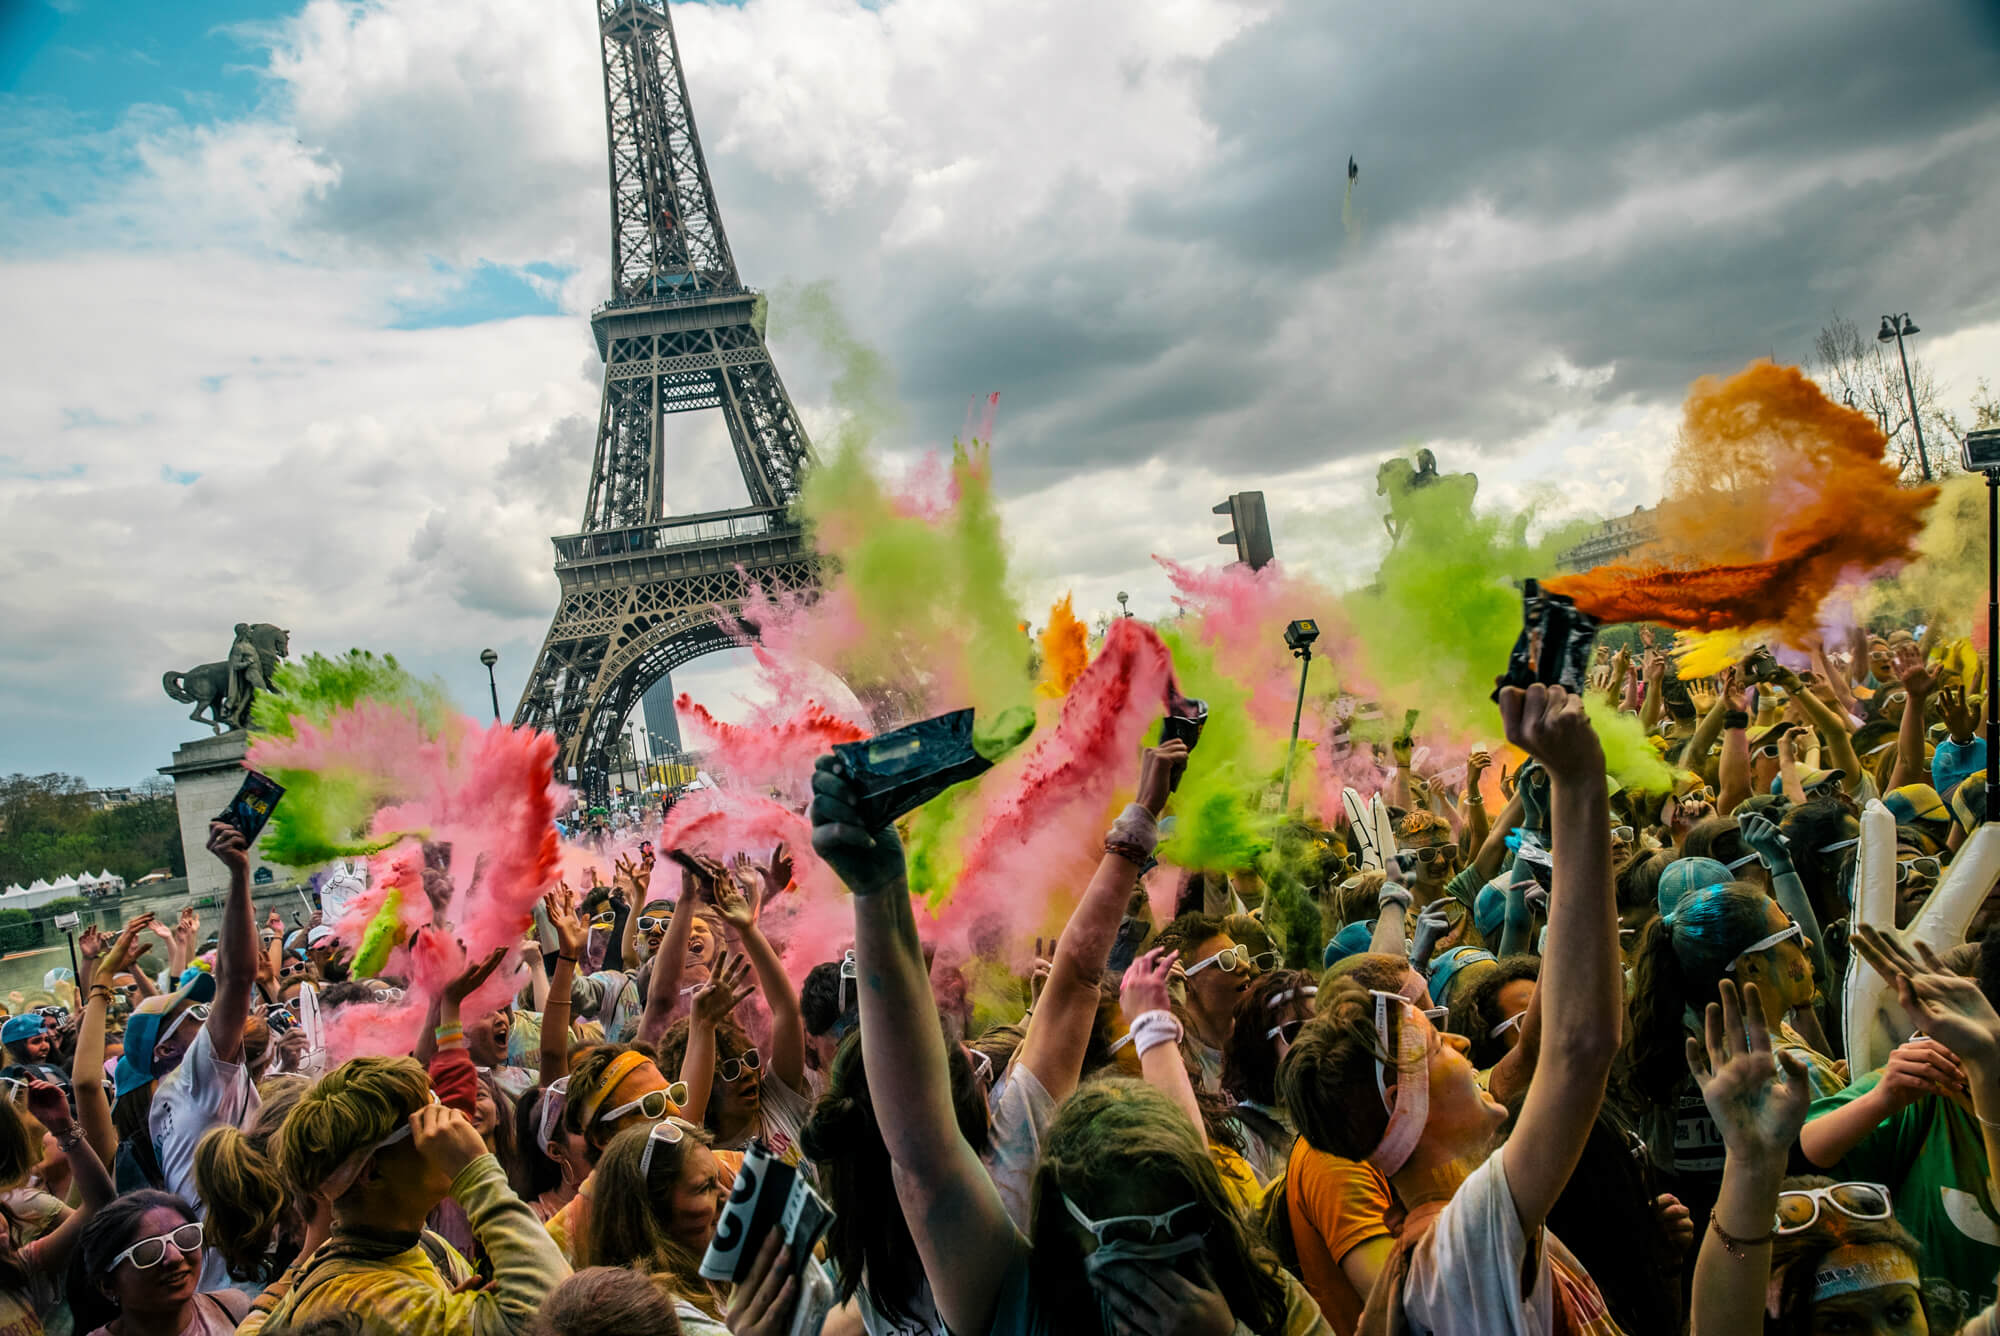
(641, 587)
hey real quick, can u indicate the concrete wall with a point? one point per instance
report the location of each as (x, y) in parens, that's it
(206, 774)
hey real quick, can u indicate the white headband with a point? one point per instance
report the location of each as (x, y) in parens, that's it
(1411, 1108)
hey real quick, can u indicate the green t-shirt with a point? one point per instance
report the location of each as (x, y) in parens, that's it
(1933, 1161)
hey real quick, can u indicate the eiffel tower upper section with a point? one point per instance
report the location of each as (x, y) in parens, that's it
(640, 585)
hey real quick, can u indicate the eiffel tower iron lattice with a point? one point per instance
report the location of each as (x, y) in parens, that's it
(640, 587)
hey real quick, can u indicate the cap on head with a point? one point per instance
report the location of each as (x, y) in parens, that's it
(1684, 876)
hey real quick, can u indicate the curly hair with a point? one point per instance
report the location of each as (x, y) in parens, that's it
(350, 1109)
(1108, 1135)
(1327, 1080)
(1476, 1011)
(731, 1041)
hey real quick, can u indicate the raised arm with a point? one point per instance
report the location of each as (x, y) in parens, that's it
(1492, 853)
(1712, 722)
(628, 891)
(729, 984)
(737, 900)
(1582, 977)
(93, 1105)
(1059, 1031)
(1654, 704)
(1917, 687)
(963, 1236)
(571, 935)
(50, 1253)
(663, 989)
(1156, 1034)
(1758, 1100)
(235, 947)
(1392, 911)
(1474, 806)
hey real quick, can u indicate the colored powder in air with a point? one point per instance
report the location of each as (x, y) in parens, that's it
(1789, 487)
(1045, 811)
(1441, 619)
(1629, 756)
(317, 686)
(337, 776)
(1699, 654)
(1946, 584)
(775, 755)
(1215, 828)
(1065, 650)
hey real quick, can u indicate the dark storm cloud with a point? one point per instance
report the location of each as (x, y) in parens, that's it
(1235, 318)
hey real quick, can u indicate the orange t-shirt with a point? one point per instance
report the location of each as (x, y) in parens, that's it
(1335, 1206)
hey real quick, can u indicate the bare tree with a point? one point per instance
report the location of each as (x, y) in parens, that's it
(1865, 374)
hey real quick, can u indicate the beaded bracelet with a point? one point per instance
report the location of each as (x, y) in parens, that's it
(1734, 1246)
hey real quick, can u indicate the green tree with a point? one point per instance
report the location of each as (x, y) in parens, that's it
(52, 824)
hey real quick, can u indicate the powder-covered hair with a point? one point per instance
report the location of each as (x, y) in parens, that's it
(1250, 1057)
(1109, 1134)
(1796, 1257)
(349, 1109)
(1681, 960)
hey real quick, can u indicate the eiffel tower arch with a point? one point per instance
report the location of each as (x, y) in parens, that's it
(641, 587)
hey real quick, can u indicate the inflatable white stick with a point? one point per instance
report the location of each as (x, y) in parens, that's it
(1941, 923)
(1360, 829)
(1385, 829)
(1872, 1034)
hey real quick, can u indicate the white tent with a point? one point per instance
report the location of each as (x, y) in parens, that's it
(38, 885)
(15, 890)
(63, 883)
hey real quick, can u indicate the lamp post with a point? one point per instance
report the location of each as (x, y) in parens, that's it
(1299, 638)
(1981, 451)
(489, 658)
(1123, 599)
(1895, 327)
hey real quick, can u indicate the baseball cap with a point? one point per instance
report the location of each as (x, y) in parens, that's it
(1915, 802)
(1351, 940)
(142, 1031)
(1446, 967)
(19, 1028)
(1684, 876)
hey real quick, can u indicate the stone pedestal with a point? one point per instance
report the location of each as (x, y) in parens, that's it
(206, 774)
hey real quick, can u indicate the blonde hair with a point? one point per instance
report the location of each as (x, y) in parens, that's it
(351, 1108)
(248, 1201)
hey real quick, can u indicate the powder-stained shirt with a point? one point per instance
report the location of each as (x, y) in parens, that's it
(1335, 1206)
(201, 1094)
(408, 1295)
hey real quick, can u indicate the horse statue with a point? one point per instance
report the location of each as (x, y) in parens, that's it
(1398, 478)
(226, 689)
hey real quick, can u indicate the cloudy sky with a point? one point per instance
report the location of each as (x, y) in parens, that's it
(296, 296)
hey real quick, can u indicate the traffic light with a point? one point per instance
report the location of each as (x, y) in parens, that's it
(1250, 529)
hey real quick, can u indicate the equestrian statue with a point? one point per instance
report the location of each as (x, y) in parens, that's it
(226, 689)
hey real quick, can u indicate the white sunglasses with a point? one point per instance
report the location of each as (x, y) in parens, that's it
(669, 1130)
(653, 1104)
(1765, 944)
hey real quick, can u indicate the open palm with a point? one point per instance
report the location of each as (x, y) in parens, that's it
(1946, 1006)
(1758, 1098)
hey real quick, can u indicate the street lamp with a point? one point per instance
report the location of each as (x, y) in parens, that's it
(489, 658)
(1299, 638)
(1896, 327)
(1123, 599)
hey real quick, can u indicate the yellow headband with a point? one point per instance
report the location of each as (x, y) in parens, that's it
(615, 1073)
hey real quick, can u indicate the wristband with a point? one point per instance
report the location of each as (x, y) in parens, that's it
(1474, 798)
(448, 1035)
(1734, 1246)
(68, 1140)
(1393, 894)
(561, 956)
(1135, 828)
(1736, 719)
(1150, 1029)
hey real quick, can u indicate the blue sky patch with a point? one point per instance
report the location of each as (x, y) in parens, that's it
(485, 292)
(178, 477)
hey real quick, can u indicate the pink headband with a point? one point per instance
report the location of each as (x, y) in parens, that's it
(1411, 1108)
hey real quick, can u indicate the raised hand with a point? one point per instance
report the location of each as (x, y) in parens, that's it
(777, 874)
(1946, 1006)
(50, 1106)
(1958, 716)
(228, 845)
(571, 931)
(1757, 1097)
(446, 1138)
(475, 973)
(1158, 768)
(90, 943)
(1766, 841)
(187, 928)
(866, 860)
(1908, 665)
(1549, 724)
(736, 898)
(729, 986)
(1144, 987)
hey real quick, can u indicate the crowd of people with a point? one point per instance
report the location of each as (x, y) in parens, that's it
(1578, 1066)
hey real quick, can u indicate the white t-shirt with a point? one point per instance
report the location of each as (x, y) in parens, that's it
(1465, 1275)
(1022, 1112)
(201, 1094)
(922, 1319)
(784, 1113)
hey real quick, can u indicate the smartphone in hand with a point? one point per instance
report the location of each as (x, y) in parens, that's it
(253, 804)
